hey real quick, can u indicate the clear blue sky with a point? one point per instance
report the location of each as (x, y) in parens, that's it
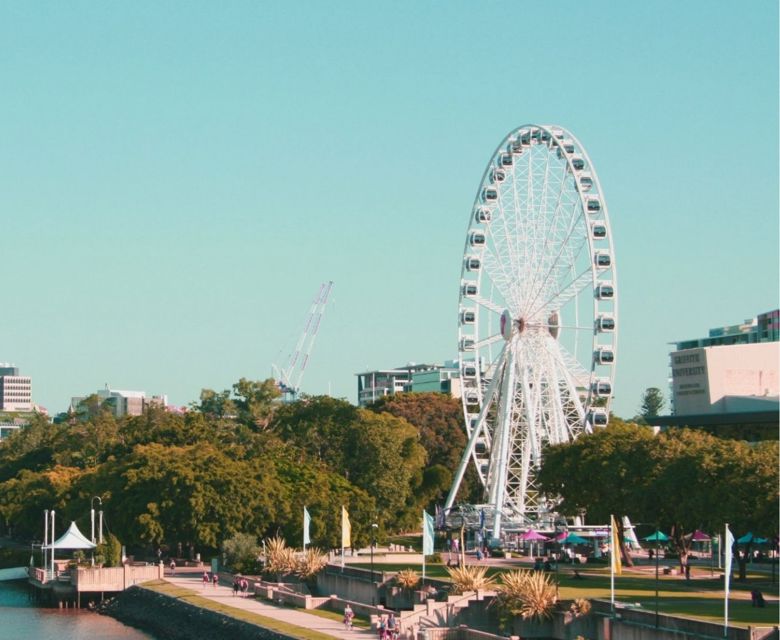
(176, 179)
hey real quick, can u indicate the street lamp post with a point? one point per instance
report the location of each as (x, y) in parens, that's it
(656, 575)
(374, 527)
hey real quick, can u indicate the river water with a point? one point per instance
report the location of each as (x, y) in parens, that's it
(21, 620)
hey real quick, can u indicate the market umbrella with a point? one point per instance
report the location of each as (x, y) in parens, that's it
(748, 537)
(561, 536)
(700, 536)
(658, 536)
(532, 535)
(760, 540)
(573, 538)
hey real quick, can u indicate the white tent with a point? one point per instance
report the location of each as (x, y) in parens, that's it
(71, 539)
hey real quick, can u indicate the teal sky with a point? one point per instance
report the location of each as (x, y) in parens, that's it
(177, 179)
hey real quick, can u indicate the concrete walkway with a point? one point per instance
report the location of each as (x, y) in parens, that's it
(224, 595)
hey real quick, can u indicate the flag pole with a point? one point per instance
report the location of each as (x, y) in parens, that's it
(727, 548)
(425, 524)
(612, 562)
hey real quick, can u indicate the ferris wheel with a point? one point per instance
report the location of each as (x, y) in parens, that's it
(537, 318)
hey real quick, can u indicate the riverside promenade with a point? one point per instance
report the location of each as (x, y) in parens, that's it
(223, 594)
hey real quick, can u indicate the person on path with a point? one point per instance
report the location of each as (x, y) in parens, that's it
(392, 627)
(236, 586)
(173, 567)
(348, 615)
(215, 579)
(382, 628)
(206, 579)
(244, 587)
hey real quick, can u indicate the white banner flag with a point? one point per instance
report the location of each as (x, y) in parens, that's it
(427, 534)
(728, 543)
(306, 527)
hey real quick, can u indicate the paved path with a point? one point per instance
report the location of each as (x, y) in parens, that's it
(224, 595)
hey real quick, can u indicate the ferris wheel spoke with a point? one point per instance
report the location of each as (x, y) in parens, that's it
(488, 341)
(566, 251)
(569, 291)
(551, 227)
(488, 304)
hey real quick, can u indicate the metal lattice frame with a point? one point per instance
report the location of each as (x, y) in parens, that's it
(537, 318)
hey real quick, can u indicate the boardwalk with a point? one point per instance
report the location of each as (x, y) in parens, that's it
(224, 595)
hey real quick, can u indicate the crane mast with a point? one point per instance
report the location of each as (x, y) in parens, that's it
(289, 379)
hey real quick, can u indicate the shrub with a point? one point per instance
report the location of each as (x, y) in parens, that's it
(310, 563)
(109, 552)
(241, 552)
(580, 607)
(279, 558)
(407, 579)
(528, 594)
(469, 578)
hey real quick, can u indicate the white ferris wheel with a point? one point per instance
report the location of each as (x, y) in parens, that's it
(537, 318)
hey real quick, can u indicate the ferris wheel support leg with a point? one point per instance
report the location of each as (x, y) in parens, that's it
(498, 482)
(469, 450)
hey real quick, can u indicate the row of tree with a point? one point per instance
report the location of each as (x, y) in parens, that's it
(679, 480)
(241, 462)
(238, 461)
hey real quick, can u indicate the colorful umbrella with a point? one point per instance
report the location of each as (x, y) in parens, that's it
(700, 536)
(658, 536)
(561, 536)
(532, 535)
(573, 538)
(748, 537)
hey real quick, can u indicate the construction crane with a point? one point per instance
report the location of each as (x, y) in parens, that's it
(289, 378)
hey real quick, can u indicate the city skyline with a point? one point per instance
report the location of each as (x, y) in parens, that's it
(178, 181)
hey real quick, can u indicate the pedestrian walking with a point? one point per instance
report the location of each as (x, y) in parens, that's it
(206, 579)
(173, 567)
(348, 615)
(236, 586)
(392, 627)
(215, 579)
(244, 587)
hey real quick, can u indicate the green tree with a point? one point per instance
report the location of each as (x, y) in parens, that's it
(681, 479)
(652, 403)
(439, 421)
(241, 552)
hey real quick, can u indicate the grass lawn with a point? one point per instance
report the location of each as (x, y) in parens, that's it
(701, 597)
(190, 596)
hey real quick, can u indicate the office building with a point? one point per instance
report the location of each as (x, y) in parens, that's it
(122, 403)
(412, 378)
(15, 390)
(728, 377)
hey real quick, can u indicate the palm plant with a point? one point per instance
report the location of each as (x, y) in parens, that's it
(580, 607)
(469, 578)
(310, 563)
(528, 594)
(407, 579)
(279, 558)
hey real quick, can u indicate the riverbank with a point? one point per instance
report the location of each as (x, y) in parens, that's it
(173, 619)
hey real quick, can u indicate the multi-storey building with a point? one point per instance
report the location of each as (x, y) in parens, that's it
(15, 390)
(728, 377)
(123, 403)
(415, 378)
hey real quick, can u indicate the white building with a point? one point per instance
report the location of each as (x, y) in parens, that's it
(123, 403)
(414, 378)
(731, 372)
(15, 390)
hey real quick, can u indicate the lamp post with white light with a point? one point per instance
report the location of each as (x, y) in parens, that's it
(374, 527)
